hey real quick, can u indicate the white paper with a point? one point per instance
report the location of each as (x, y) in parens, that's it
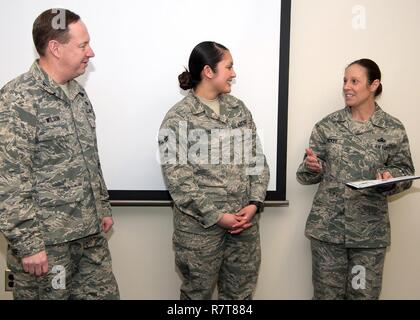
(374, 183)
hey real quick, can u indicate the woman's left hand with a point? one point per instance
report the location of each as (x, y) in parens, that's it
(384, 175)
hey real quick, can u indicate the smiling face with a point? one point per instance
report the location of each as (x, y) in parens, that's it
(222, 78)
(75, 54)
(357, 90)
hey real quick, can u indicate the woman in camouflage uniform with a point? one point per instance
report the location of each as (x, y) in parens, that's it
(216, 194)
(349, 229)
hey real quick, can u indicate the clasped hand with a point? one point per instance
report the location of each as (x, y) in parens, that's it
(235, 223)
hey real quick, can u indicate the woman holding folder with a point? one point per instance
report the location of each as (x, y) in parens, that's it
(349, 229)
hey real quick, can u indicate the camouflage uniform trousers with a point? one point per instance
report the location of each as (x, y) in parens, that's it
(336, 271)
(88, 273)
(231, 261)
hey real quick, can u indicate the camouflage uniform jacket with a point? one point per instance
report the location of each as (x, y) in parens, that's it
(51, 185)
(210, 186)
(357, 218)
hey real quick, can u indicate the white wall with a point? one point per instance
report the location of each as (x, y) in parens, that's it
(322, 43)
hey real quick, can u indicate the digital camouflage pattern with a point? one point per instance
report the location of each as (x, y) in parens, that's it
(346, 273)
(51, 184)
(205, 187)
(356, 218)
(230, 261)
(208, 187)
(80, 270)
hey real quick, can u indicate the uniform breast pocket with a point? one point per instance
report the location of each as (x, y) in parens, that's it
(380, 153)
(56, 143)
(334, 148)
(333, 155)
(54, 131)
(240, 122)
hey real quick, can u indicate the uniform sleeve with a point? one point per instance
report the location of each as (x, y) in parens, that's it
(105, 204)
(18, 221)
(179, 175)
(399, 164)
(259, 170)
(317, 144)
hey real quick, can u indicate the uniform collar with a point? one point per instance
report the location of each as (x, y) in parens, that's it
(226, 102)
(49, 85)
(377, 119)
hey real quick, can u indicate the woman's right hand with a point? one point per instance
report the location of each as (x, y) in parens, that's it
(311, 161)
(235, 223)
(228, 220)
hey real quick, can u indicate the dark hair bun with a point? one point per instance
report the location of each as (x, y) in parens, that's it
(185, 80)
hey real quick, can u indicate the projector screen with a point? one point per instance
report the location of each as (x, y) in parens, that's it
(141, 47)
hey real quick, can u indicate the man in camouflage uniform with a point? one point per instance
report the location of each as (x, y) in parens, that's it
(350, 228)
(204, 184)
(54, 203)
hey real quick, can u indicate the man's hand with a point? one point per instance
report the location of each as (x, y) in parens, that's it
(36, 264)
(312, 162)
(107, 223)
